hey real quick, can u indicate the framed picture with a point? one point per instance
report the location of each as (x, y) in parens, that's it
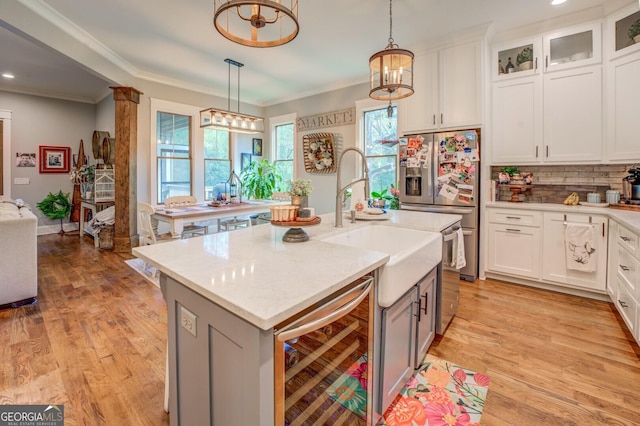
(257, 147)
(55, 159)
(245, 160)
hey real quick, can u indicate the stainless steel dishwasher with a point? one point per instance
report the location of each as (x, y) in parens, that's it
(321, 361)
(448, 294)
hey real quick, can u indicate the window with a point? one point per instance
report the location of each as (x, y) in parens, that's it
(283, 146)
(173, 155)
(381, 159)
(217, 162)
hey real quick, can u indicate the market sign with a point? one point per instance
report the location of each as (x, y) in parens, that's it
(326, 119)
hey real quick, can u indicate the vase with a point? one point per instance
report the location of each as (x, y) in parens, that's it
(525, 66)
(301, 201)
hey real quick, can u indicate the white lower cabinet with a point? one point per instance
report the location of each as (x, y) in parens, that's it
(625, 273)
(612, 260)
(530, 245)
(408, 328)
(515, 242)
(556, 266)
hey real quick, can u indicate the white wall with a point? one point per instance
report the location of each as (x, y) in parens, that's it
(323, 197)
(44, 121)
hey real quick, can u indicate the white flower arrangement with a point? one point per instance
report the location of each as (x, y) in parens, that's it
(84, 174)
(300, 187)
(320, 155)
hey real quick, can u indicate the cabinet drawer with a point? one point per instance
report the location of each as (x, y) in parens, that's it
(628, 271)
(626, 306)
(628, 240)
(516, 217)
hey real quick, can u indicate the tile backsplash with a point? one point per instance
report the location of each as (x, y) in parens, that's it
(552, 184)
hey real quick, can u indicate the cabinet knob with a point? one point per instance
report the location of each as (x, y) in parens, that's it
(513, 230)
(623, 304)
(624, 268)
(625, 239)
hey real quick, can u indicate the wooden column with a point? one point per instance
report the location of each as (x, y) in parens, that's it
(126, 235)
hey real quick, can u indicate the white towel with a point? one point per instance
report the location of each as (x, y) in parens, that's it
(458, 260)
(580, 246)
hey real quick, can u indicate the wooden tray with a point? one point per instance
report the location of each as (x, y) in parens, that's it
(297, 223)
(625, 207)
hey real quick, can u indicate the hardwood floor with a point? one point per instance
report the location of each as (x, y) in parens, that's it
(95, 342)
(553, 359)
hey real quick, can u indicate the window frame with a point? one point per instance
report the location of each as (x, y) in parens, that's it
(367, 105)
(282, 120)
(205, 159)
(196, 145)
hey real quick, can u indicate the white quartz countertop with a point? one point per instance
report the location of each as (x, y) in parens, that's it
(253, 274)
(628, 218)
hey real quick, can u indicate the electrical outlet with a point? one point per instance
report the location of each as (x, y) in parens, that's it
(21, 181)
(188, 320)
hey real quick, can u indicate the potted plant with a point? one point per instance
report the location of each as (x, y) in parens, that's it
(299, 189)
(395, 198)
(634, 31)
(56, 206)
(379, 199)
(525, 59)
(260, 179)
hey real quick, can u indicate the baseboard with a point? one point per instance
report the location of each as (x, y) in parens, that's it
(54, 229)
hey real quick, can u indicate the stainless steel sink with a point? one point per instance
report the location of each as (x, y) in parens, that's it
(413, 253)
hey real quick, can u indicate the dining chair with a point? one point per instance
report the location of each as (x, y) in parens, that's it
(178, 201)
(148, 234)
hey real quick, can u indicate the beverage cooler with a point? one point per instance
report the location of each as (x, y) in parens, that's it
(321, 361)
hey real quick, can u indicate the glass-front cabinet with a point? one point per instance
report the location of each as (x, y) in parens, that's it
(518, 58)
(575, 46)
(623, 32)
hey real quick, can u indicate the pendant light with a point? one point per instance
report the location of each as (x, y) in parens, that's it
(220, 119)
(391, 70)
(257, 23)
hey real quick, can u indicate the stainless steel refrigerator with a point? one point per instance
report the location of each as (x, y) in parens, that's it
(440, 172)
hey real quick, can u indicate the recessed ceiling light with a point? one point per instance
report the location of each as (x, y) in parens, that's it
(7, 75)
(557, 2)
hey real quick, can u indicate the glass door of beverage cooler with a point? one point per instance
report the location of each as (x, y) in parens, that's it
(321, 368)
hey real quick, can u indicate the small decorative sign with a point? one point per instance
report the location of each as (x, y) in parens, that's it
(326, 119)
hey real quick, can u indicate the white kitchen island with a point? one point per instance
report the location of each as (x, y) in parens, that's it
(246, 282)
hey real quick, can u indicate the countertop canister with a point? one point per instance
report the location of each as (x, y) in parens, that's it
(593, 197)
(613, 196)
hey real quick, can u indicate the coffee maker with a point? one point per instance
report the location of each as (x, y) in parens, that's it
(631, 186)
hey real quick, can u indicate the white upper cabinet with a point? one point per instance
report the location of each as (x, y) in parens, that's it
(517, 120)
(572, 47)
(573, 115)
(516, 59)
(448, 91)
(623, 32)
(623, 85)
(549, 110)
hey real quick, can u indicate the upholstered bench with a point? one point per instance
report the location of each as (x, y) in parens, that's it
(18, 254)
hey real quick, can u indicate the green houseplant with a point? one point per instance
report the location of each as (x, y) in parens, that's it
(56, 206)
(379, 199)
(634, 31)
(525, 58)
(510, 170)
(260, 179)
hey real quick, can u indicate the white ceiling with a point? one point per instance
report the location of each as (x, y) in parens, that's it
(174, 42)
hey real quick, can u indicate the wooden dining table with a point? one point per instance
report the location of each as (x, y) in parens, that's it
(176, 217)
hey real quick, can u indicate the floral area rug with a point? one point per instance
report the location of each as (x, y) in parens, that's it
(350, 388)
(439, 394)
